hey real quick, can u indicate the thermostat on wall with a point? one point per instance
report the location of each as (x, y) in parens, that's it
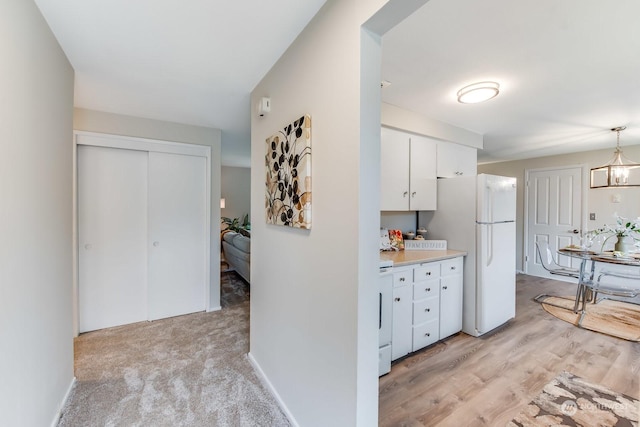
(264, 106)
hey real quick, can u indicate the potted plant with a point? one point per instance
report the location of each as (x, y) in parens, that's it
(625, 230)
(236, 224)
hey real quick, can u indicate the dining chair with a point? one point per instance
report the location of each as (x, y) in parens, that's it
(549, 263)
(628, 288)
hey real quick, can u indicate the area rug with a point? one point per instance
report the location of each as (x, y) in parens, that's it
(615, 318)
(572, 401)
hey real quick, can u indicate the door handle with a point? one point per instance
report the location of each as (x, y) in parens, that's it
(574, 231)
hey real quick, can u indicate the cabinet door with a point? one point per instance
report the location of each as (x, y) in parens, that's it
(394, 170)
(450, 305)
(177, 234)
(456, 160)
(401, 338)
(422, 174)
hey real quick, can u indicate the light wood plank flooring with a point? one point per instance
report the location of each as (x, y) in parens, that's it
(466, 381)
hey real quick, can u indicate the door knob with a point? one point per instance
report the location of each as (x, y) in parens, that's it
(574, 231)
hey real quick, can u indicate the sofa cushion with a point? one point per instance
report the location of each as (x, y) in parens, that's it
(229, 235)
(243, 243)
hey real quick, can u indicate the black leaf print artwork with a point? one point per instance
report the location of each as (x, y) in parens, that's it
(288, 175)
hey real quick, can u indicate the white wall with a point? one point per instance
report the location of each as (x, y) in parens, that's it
(235, 185)
(599, 200)
(36, 340)
(400, 118)
(97, 121)
(314, 293)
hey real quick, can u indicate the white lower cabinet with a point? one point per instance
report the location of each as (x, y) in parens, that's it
(427, 305)
(451, 298)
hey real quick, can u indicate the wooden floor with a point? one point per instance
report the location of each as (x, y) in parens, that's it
(466, 381)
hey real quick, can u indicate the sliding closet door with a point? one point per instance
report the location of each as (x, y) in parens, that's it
(177, 234)
(112, 237)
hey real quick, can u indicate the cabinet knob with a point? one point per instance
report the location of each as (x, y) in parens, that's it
(402, 279)
(444, 287)
(427, 310)
(413, 194)
(428, 273)
(88, 246)
(459, 173)
(397, 298)
(453, 268)
(428, 290)
(405, 194)
(427, 334)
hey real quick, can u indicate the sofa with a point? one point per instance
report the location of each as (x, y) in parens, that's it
(236, 249)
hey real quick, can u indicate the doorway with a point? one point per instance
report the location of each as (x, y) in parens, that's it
(554, 206)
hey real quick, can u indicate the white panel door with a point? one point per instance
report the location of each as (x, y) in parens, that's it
(177, 234)
(554, 214)
(112, 237)
(394, 170)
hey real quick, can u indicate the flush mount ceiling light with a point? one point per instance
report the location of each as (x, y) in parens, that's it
(619, 172)
(478, 92)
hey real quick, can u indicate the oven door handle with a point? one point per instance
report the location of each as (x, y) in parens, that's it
(380, 311)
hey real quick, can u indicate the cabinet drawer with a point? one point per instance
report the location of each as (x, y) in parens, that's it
(425, 334)
(401, 278)
(426, 310)
(426, 272)
(426, 289)
(451, 266)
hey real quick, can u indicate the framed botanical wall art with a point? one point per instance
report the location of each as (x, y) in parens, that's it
(288, 175)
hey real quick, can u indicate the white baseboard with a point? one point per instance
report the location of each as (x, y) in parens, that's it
(56, 417)
(272, 390)
(218, 308)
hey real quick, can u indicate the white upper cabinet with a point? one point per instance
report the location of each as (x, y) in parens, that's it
(456, 160)
(408, 172)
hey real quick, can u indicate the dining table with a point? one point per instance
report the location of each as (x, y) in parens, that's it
(586, 276)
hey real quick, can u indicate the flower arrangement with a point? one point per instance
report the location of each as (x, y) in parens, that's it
(623, 228)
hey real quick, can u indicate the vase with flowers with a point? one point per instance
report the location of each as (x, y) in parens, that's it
(625, 230)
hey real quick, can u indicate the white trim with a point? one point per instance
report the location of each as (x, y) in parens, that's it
(583, 207)
(58, 414)
(141, 144)
(272, 390)
(218, 308)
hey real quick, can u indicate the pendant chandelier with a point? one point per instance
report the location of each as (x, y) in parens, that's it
(619, 171)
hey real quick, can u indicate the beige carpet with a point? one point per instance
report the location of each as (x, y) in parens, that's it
(572, 401)
(615, 318)
(185, 371)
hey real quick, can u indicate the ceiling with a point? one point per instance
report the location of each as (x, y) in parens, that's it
(193, 62)
(568, 69)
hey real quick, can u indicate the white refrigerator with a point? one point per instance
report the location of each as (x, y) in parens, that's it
(477, 214)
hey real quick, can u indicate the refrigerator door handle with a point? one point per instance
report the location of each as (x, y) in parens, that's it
(489, 244)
